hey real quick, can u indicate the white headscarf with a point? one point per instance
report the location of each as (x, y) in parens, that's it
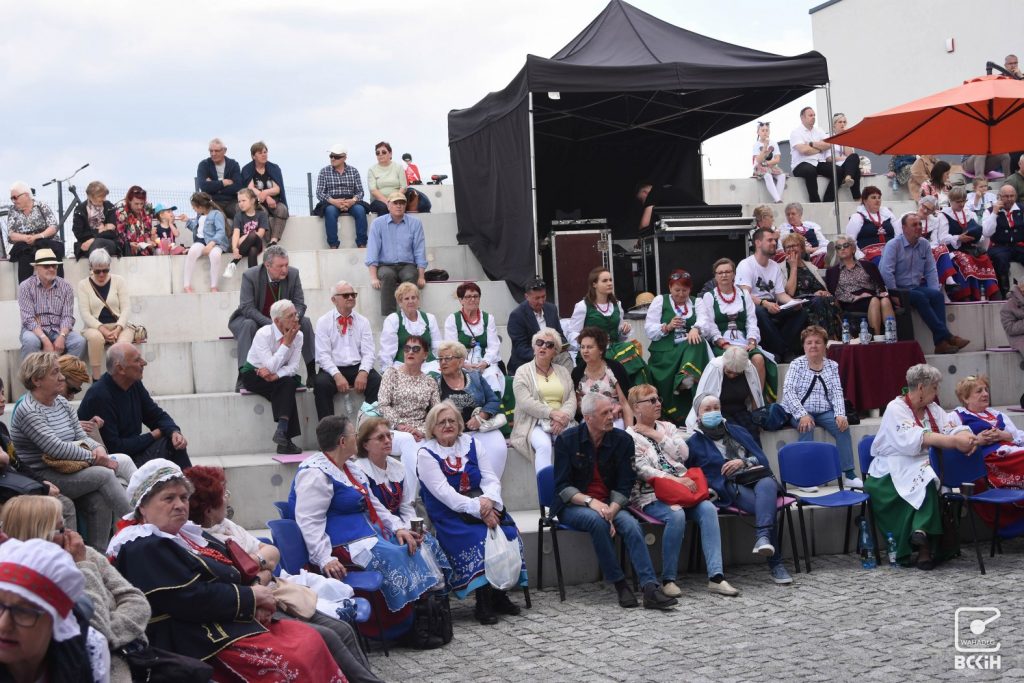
(44, 574)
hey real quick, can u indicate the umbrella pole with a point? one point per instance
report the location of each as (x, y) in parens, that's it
(533, 190)
(835, 172)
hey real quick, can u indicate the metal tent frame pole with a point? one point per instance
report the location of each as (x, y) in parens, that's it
(835, 171)
(533, 189)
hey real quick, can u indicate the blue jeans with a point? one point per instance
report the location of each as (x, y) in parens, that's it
(844, 443)
(760, 501)
(331, 215)
(706, 516)
(932, 306)
(626, 527)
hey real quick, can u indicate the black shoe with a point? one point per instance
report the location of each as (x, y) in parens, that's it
(918, 539)
(238, 384)
(501, 604)
(288, 448)
(654, 598)
(280, 437)
(483, 612)
(626, 597)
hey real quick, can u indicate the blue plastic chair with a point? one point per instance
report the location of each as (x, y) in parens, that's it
(546, 495)
(954, 468)
(864, 457)
(809, 463)
(282, 508)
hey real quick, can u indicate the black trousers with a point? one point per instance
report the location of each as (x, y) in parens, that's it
(810, 173)
(324, 389)
(24, 254)
(250, 246)
(780, 333)
(163, 448)
(281, 394)
(850, 168)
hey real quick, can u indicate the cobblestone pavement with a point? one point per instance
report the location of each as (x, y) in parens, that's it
(838, 623)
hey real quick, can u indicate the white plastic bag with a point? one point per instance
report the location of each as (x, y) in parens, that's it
(502, 561)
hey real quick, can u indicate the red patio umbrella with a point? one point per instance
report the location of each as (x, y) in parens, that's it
(983, 116)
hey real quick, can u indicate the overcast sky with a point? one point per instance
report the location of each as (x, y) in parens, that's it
(138, 89)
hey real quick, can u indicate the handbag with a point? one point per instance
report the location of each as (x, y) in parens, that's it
(496, 421)
(672, 492)
(366, 411)
(751, 475)
(502, 561)
(770, 418)
(16, 484)
(139, 333)
(294, 599)
(67, 466)
(155, 665)
(246, 566)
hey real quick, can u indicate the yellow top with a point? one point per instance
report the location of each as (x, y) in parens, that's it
(551, 390)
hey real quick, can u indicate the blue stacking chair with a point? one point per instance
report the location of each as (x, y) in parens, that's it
(954, 468)
(864, 457)
(294, 557)
(806, 464)
(282, 508)
(546, 495)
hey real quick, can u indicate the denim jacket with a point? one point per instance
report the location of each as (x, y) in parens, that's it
(213, 230)
(482, 393)
(574, 465)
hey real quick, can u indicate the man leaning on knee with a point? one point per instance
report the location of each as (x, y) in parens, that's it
(594, 479)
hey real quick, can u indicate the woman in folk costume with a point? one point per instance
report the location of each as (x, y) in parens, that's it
(901, 482)
(678, 349)
(872, 225)
(601, 309)
(975, 276)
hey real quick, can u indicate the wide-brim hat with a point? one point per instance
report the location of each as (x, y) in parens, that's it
(46, 257)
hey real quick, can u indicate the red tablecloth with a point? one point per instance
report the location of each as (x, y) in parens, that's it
(874, 374)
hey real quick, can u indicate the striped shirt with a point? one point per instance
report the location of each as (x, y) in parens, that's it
(333, 185)
(51, 308)
(38, 429)
(826, 395)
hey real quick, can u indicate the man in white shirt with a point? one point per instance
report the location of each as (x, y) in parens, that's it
(270, 371)
(762, 278)
(344, 352)
(809, 156)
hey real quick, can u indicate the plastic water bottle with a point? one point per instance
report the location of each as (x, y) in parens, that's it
(890, 542)
(867, 547)
(846, 330)
(890, 330)
(865, 333)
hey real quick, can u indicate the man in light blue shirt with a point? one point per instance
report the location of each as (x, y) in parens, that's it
(907, 263)
(396, 252)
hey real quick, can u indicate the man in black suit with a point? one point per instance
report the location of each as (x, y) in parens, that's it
(220, 177)
(261, 287)
(526, 319)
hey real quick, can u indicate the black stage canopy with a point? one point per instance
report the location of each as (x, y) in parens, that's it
(636, 96)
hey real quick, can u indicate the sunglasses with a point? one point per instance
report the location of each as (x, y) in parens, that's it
(445, 359)
(339, 156)
(100, 271)
(14, 197)
(652, 400)
(48, 266)
(381, 152)
(348, 295)
(544, 344)
(844, 245)
(412, 348)
(675, 277)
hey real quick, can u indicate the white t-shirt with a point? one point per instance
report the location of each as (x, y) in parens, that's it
(802, 136)
(757, 150)
(765, 282)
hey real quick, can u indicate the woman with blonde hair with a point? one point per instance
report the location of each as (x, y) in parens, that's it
(103, 303)
(409, 320)
(121, 611)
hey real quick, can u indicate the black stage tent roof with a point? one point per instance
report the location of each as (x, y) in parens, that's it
(637, 96)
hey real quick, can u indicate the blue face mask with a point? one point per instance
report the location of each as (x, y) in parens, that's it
(712, 418)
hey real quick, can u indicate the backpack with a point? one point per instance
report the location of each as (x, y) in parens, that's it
(431, 621)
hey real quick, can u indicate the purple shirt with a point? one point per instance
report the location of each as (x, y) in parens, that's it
(51, 309)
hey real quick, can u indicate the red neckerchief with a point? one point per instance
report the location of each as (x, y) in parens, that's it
(931, 420)
(961, 223)
(344, 321)
(370, 510)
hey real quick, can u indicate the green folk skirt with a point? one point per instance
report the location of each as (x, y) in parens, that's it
(895, 515)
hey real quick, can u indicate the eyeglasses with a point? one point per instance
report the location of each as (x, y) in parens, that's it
(26, 617)
(14, 197)
(448, 422)
(100, 271)
(347, 295)
(652, 400)
(385, 436)
(471, 296)
(339, 156)
(412, 348)
(544, 344)
(445, 359)
(843, 245)
(722, 272)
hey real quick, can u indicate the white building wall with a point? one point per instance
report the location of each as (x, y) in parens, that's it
(883, 53)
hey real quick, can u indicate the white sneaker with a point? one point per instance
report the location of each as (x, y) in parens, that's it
(229, 272)
(763, 548)
(854, 483)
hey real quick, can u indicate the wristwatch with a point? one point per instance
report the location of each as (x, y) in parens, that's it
(588, 500)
